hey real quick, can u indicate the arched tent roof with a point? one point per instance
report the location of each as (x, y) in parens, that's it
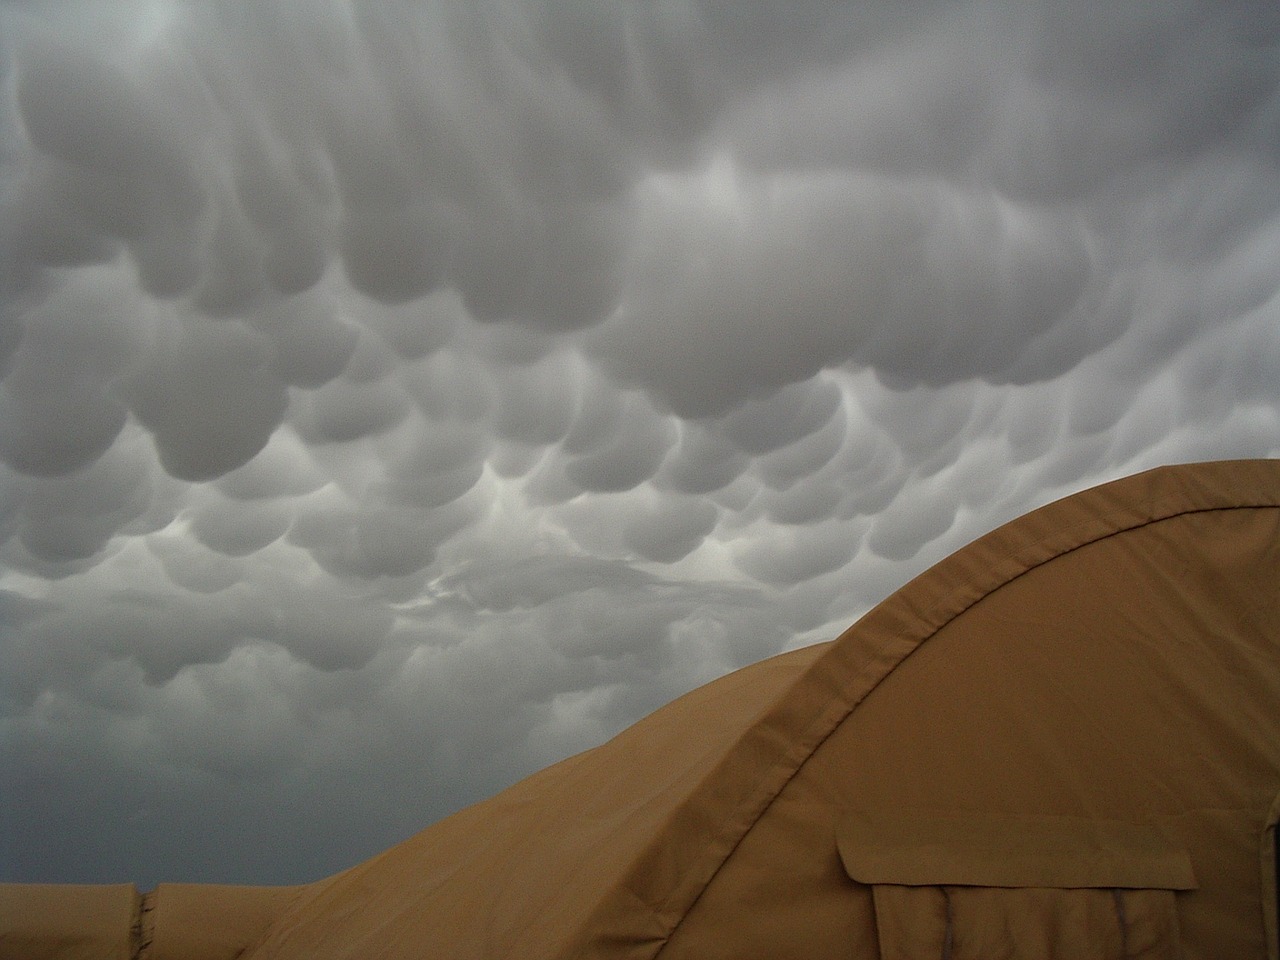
(1097, 680)
(1060, 741)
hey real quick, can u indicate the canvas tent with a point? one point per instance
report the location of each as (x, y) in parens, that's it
(1062, 741)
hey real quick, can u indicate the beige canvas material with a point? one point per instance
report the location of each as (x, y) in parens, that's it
(1017, 886)
(68, 922)
(676, 839)
(176, 921)
(191, 921)
(523, 870)
(1269, 872)
(1104, 670)
(1125, 673)
(978, 923)
(926, 848)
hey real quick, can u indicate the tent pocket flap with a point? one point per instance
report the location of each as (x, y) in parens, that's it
(1062, 852)
(1019, 888)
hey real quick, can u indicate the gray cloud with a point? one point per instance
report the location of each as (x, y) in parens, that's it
(397, 397)
(850, 263)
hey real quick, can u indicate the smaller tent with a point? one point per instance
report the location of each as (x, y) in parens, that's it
(1062, 741)
(175, 921)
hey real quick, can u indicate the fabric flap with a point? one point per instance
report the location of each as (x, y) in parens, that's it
(1009, 851)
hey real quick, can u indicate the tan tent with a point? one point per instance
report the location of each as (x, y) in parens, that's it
(1062, 741)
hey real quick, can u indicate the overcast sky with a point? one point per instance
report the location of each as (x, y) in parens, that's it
(400, 396)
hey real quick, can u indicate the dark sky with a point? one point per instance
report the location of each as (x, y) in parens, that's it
(400, 396)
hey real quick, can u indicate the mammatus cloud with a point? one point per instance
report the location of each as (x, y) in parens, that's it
(396, 397)
(852, 263)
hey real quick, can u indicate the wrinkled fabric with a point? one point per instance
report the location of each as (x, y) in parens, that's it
(1030, 923)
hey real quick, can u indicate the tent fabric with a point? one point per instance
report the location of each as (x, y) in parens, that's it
(1109, 658)
(68, 921)
(175, 921)
(1010, 851)
(192, 921)
(1061, 741)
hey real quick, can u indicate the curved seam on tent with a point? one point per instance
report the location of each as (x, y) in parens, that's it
(1112, 524)
(1024, 567)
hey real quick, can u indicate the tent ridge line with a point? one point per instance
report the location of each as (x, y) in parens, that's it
(952, 597)
(768, 786)
(840, 701)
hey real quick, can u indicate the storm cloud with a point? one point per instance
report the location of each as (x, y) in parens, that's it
(397, 397)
